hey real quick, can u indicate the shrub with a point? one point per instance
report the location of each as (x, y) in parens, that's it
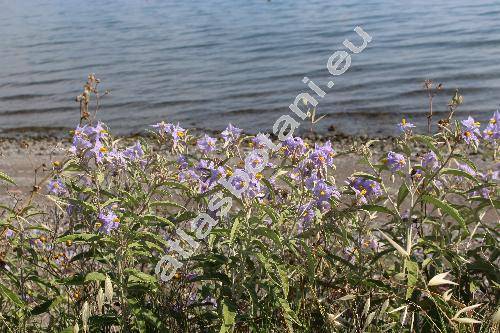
(409, 244)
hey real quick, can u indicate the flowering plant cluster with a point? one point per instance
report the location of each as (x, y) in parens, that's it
(408, 241)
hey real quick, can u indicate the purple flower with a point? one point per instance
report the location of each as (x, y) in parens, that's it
(182, 161)
(178, 133)
(322, 155)
(492, 131)
(405, 126)
(206, 144)
(163, 128)
(254, 161)
(365, 189)
(231, 134)
(430, 161)
(395, 161)
(238, 182)
(306, 216)
(324, 192)
(470, 131)
(80, 141)
(116, 159)
(255, 189)
(210, 301)
(57, 187)
(98, 151)
(8, 233)
(188, 175)
(134, 153)
(209, 174)
(97, 132)
(260, 140)
(294, 147)
(108, 221)
(466, 168)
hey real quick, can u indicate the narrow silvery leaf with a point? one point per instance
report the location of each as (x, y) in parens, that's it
(369, 320)
(467, 320)
(384, 307)
(439, 279)
(347, 297)
(496, 316)
(366, 308)
(76, 328)
(408, 242)
(402, 251)
(467, 308)
(403, 318)
(396, 310)
(447, 295)
(333, 318)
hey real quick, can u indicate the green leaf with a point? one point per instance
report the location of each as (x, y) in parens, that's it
(272, 214)
(459, 173)
(402, 193)
(412, 270)
(6, 178)
(173, 184)
(95, 276)
(377, 208)
(11, 296)
(228, 316)
(234, 229)
(428, 142)
(446, 208)
(367, 176)
(290, 316)
(271, 234)
(138, 276)
(44, 307)
(77, 238)
(284, 279)
(167, 204)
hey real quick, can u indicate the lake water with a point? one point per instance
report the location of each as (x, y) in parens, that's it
(207, 63)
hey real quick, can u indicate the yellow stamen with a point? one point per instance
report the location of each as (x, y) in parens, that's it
(103, 149)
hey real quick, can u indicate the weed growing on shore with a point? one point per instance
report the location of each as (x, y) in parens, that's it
(407, 243)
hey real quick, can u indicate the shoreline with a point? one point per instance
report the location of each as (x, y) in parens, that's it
(27, 158)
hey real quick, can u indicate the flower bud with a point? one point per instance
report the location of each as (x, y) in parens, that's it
(100, 300)
(108, 289)
(85, 315)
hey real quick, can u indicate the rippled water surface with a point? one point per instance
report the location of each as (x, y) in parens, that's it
(207, 63)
